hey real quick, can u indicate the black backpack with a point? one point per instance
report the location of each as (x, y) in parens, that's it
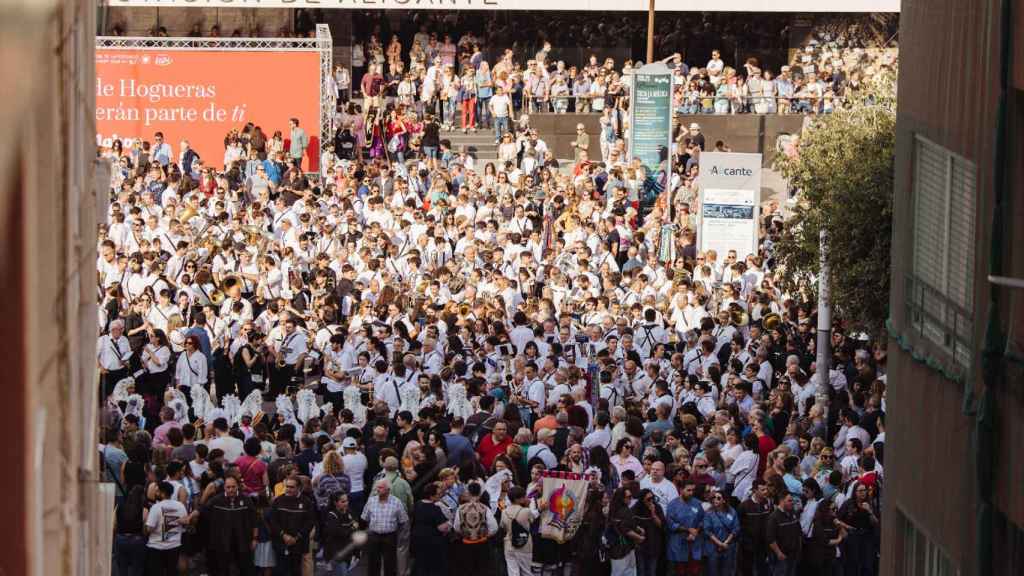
(520, 536)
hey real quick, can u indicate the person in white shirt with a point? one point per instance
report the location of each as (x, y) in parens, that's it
(192, 368)
(112, 354)
(334, 377)
(543, 449)
(743, 471)
(232, 447)
(290, 349)
(663, 488)
(602, 434)
(715, 67)
(155, 358)
(355, 468)
(433, 359)
(164, 527)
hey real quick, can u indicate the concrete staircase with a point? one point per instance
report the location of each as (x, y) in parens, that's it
(480, 145)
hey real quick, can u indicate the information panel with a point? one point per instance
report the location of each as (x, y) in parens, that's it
(651, 116)
(730, 192)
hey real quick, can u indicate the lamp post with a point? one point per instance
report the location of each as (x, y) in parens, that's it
(650, 32)
(824, 344)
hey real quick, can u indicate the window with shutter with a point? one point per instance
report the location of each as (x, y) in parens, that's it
(940, 293)
(922, 556)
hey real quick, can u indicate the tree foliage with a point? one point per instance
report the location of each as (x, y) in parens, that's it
(844, 172)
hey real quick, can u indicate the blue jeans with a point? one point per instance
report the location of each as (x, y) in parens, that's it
(339, 568)
(785, 567)
(430, 151)
(483, 111)
(500, 127)
(722, 563)
(130, 554)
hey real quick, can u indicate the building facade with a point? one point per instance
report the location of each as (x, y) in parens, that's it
(954, 465)
(57, 516)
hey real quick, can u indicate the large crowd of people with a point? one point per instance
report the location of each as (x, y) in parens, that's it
(452, 73)
(377, 367)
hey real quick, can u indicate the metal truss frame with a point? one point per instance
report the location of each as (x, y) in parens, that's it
(321, 43)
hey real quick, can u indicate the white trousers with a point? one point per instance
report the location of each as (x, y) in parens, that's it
(625, 566)
(518, 563)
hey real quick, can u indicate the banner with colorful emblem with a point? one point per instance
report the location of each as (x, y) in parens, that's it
(566, 496)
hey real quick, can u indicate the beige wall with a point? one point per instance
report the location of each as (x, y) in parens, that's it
(49, 133)
(179, 21)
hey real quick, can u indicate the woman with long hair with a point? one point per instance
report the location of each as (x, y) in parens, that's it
(820, 552)
(626, 533)
(331, 480)
(191, 369)
(248, 364)
(651, 518)
(129, 537)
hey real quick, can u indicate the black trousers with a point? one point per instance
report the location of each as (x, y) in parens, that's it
(382, 550)
(280, 379)
(233, 558)
(162, 562)
(336, 399)
(109, 380)
(289, 561)
(475, 559)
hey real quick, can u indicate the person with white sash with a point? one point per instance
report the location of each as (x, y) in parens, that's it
(112, 355)
(191, 369)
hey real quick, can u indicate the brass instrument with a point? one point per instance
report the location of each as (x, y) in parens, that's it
(771, 321)
(739, 318)
(220, 294)
(254, 234)
(217, 297)
(187, 215)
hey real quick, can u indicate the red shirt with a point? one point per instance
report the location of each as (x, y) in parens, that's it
(488, 450)
(252, 470)
(765, 444)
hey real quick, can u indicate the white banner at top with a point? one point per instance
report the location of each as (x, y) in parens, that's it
(850, 6)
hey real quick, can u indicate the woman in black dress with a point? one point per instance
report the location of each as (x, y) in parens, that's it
(428, 540)
(819, 553)
(247, 365)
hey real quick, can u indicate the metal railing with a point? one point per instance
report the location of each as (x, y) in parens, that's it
(934, 317)
(583, 104)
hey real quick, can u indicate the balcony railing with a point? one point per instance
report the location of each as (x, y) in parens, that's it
(934, 317)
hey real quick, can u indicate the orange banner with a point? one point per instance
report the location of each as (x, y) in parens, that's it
(199, 96)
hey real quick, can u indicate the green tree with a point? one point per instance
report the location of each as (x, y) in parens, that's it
(843, 169)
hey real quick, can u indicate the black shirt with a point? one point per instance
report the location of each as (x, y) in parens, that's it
(783, 528)
(753, 516)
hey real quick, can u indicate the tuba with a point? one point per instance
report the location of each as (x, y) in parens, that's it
(771, 321)
(739, 318)
(217, 297)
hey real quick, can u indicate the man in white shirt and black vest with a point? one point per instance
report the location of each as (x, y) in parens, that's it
(112, 354)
